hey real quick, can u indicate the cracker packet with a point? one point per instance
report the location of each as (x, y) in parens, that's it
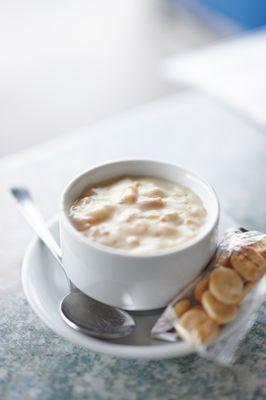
(215, 311)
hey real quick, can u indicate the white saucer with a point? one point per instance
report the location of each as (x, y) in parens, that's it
(44, 285)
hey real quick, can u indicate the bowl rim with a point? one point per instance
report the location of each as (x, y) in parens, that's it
(124, 253)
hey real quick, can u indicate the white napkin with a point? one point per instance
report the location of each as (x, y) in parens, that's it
(233, 71)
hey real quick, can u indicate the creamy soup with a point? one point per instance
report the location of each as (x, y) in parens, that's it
(138, 214)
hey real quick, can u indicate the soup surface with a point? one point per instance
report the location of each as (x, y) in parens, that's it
(138, 214)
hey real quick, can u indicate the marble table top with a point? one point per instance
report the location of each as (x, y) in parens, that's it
(188, 129)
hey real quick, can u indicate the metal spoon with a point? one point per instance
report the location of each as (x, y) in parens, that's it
(79, 311)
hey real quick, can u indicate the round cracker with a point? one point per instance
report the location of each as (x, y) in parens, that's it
(226, 285)
(181, 306)
(247, 268)
(196, 327)
(219, 312)
(201, 287)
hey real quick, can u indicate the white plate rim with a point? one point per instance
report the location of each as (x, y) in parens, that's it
(162, 351)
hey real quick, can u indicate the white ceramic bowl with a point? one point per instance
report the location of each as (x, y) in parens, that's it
(135, 282)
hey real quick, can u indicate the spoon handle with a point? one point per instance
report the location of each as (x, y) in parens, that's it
(36, 221)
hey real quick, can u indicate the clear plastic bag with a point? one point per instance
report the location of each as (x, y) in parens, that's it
(244, 252)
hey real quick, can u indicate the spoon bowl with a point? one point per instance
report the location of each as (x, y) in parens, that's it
(94, 318)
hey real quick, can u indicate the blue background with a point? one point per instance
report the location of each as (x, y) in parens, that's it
(248, 13)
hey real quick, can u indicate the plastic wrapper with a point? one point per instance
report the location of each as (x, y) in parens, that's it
(239, 284)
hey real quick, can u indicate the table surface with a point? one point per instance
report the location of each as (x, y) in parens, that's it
(188, 129)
